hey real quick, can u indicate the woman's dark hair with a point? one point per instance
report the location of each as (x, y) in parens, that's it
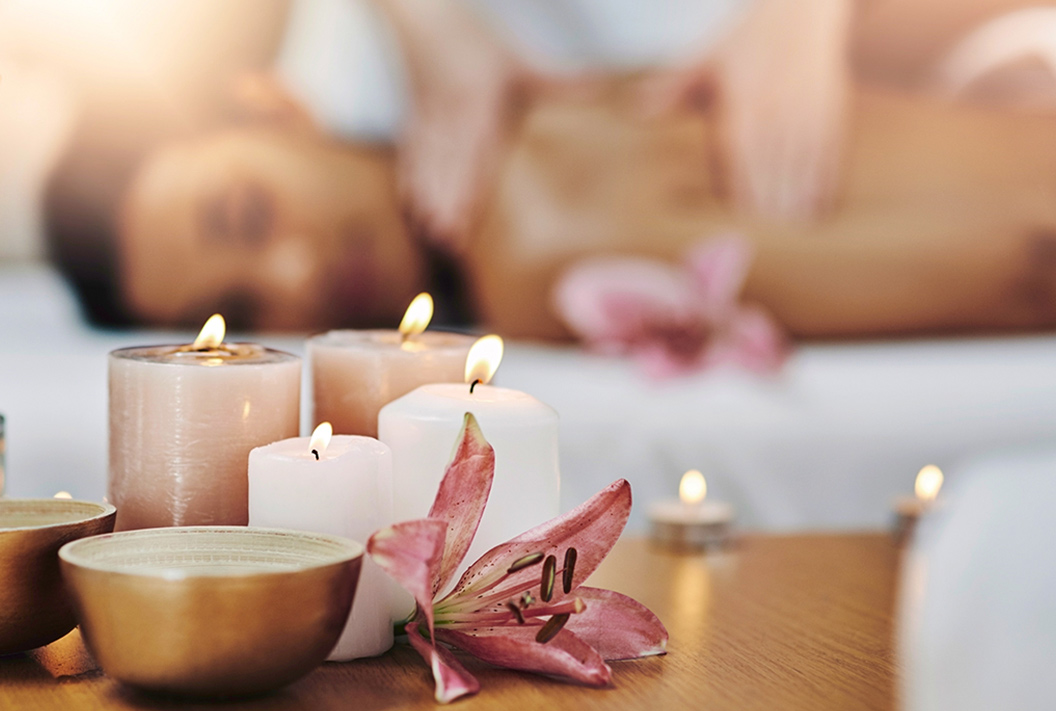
(81, 202)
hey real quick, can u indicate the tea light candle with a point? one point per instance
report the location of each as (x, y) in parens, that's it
(355, 373)
(422, 430)
(691, 522)
(340, 486)
(909, 509)
(183, 420)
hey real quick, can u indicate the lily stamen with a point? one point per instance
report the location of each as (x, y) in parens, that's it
(493, 594)
(502, 614)
(524, 562)
(516, 611)
(546, 585)
(548, 631)
(569, 571)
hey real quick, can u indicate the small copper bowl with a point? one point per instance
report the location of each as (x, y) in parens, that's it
(211, 611)
(34, 606)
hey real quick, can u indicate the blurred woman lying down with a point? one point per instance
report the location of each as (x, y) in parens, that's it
(943, 217)
(946, 220)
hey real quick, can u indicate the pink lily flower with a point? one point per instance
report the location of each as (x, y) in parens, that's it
(522, 605)
(672, 320)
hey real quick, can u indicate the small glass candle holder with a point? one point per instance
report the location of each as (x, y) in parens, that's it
(691, 523)
(909, 509)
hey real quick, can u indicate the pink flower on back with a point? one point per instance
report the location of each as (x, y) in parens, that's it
(673, 320)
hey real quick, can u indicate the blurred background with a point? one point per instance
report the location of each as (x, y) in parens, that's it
(876, 181)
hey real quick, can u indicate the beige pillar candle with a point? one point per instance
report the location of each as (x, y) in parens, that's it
(356, 373)
(183, 420)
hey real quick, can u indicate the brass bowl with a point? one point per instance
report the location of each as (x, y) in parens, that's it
(35, 608)
(211, 610)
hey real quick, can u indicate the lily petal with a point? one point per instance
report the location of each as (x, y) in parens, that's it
(719, 266)
(756, 341)
(410, 552)
(451, 678)
(617, 626)
(592, 528)
(462, 496)
(603, 300)
(514, 647)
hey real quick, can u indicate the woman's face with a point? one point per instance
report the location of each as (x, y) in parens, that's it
(274, 229)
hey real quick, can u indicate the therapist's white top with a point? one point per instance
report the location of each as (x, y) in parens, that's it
(341, 59)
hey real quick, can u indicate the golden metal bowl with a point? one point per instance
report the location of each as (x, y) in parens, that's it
(34, 606)
(211, 610)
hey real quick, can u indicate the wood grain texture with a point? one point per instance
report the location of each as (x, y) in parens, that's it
(779, 622)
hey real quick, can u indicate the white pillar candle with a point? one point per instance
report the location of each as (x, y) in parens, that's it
(182, 422)
(355, 373)
(422, 430)
(346, 492)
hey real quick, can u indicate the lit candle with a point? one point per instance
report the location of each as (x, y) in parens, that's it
(355, 373)
(691, 521)
(422, 429)
(183, 420)
(909, 509)
(340, 485)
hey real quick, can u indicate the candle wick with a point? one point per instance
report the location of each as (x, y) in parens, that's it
(473, 385)
(316, 453)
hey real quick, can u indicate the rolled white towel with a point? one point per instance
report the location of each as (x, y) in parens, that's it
(978, 598)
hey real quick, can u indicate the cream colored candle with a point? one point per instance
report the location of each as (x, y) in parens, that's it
(341, 486)
(422, 430)
(355, 373)
(183, 420)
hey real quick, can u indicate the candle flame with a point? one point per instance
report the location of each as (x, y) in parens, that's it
(693, 488)
(212, 333)
(63, 495)
(418, 315)
(928, 483)
(483, 359)
(320, 439)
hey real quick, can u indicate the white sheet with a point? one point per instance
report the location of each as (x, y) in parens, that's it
(827, 444)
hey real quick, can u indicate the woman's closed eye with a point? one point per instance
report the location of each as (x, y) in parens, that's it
(241, 215)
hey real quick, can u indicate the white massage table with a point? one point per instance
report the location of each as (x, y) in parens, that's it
(826, 444)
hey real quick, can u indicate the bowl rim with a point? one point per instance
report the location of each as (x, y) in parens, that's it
(105, 509)
(69, 553)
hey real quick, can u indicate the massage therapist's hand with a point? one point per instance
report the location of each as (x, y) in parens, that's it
(466, 88)
(781, 79)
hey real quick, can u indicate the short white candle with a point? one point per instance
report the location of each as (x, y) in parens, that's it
(346, 492)
(182, 422)
(356, 373)
(422, 429)
(691, 521)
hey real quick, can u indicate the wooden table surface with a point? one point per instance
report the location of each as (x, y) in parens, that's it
(779, 622)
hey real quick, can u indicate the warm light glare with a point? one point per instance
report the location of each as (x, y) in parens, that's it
(212, 333)
(63, 495)
(418, 315)
(929, 481)
(320, 439)
(483, 359)
(693, 488)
